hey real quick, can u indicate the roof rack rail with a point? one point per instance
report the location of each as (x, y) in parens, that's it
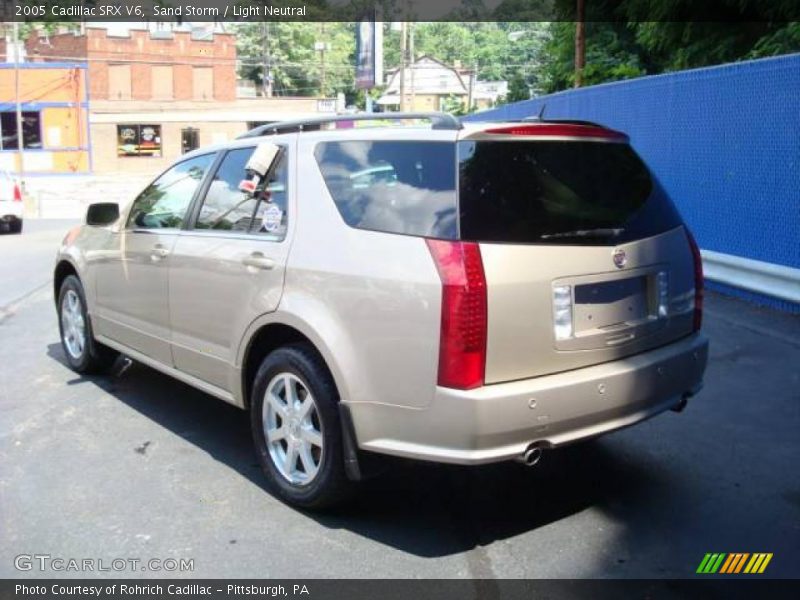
(439, 120)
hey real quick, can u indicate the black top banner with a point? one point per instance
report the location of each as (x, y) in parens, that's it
(149, 11)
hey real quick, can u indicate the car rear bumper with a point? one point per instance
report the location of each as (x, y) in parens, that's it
(499, 422)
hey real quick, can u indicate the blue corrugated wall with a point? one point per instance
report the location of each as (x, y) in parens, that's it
(724, 141)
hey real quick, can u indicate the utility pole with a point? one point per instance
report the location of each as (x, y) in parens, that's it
(267, 91)
(472, 80)
(403, 51)
(20, 138)
(580, 43)
(322, 60)
(411, 64)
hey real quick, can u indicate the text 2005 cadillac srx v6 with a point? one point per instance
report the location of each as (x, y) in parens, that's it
(443, 292)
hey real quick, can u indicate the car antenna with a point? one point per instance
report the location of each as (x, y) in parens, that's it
(540, 116)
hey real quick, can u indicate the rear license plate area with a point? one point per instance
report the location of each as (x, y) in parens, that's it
(606, 304)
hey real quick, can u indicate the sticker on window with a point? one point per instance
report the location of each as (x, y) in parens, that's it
(271, 218)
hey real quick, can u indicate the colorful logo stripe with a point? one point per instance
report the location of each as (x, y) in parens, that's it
(733, 563)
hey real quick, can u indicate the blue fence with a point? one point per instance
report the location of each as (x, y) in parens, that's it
(724, 141)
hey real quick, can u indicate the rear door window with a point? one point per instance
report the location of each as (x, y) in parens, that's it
(558, 192)
(395, 187)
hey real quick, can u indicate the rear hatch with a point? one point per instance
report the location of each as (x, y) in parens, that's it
(585, 257)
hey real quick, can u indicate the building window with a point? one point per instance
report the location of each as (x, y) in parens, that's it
(119, 82)
(203, 83)
(31, 130)
(139, 140)
(189, 139)
(162, 82)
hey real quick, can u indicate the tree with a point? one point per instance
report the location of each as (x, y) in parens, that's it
(518, 89)
(611, 54)
(295, 66)
(631, 38)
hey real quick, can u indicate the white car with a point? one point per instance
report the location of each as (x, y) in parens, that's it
(10, 203)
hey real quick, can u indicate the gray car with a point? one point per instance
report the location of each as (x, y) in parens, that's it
(452, 293)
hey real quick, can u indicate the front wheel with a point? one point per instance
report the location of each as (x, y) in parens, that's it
(15, 226)
(84, 354)
(296, 428)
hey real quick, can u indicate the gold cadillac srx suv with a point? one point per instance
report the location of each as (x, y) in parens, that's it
(444, 292)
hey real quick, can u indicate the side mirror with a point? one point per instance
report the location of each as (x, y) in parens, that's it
(102, 213)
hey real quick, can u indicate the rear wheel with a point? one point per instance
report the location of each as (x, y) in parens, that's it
(84, 354)
(15, 226)
(296, 428)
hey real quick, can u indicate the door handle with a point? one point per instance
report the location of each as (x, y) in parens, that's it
(158, 252)
(259, 261)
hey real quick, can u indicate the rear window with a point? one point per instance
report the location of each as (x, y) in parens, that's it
(558, 192)
(396, 187)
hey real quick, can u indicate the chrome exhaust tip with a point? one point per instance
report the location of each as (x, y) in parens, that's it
(531, 456)
(681, 405)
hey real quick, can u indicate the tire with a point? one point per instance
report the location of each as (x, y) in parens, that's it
(84, 354)
(325, 484)
(15, 226)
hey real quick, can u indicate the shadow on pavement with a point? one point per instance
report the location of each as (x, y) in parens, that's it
(424, 509)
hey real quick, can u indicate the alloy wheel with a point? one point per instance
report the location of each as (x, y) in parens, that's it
(292, 429)
(73, 326)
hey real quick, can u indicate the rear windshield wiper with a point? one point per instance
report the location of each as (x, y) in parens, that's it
(579, 233)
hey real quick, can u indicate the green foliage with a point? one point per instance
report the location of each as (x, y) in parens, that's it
(502, 51)
(784, 40)
(644, 37)
(454, 105)
(296, 67)
(611, 54)
(656, 36)
(518, 89)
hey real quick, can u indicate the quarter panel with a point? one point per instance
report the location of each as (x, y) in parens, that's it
(375, 298)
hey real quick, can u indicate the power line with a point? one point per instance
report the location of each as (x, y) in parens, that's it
(203, 61)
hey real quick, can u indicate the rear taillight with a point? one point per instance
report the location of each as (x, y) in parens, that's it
(17, 193)
(462, 341)
(698, 280)
(560, 130)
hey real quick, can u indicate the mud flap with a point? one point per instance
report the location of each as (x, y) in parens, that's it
(349, 444)
(358, 465)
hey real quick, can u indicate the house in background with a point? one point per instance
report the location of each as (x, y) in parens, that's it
(156, 93)
(55, 118)
(431, 85)
(488, 93)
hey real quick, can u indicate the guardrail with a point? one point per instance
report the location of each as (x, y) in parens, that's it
(766, 278)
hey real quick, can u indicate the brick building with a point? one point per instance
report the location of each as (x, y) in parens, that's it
(155, 94)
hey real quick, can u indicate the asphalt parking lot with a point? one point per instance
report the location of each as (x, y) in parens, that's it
(136, 465)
